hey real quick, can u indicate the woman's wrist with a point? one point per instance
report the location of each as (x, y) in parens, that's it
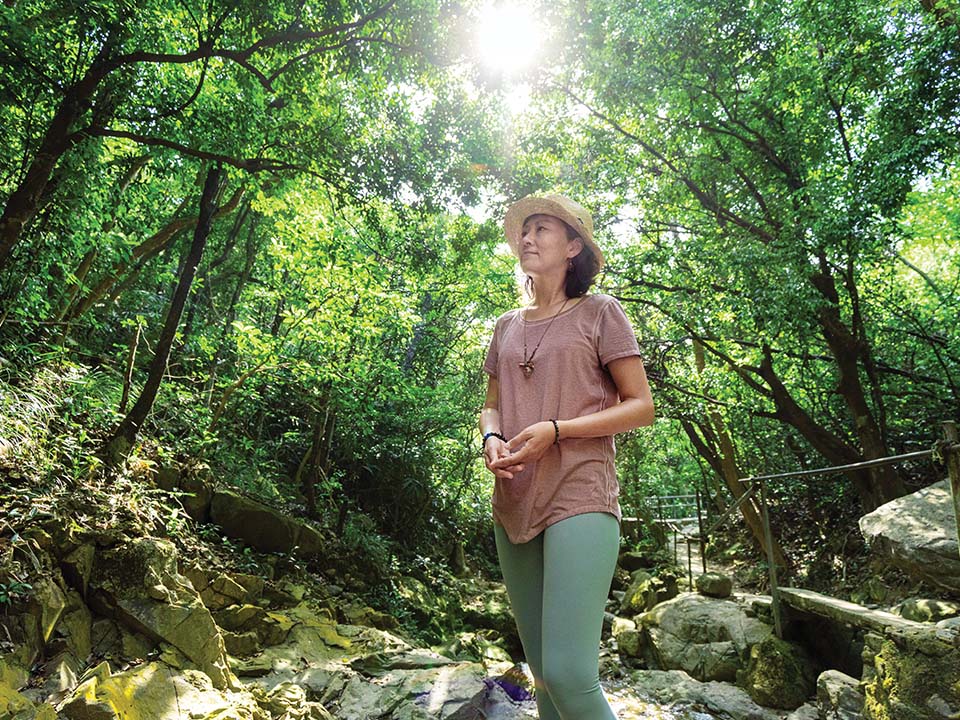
(556, 431)
(487, 436)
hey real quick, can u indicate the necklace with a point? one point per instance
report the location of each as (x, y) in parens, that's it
(527, 365)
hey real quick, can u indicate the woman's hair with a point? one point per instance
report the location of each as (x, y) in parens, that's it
(581, 272)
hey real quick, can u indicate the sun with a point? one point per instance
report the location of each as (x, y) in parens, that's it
(509, 37)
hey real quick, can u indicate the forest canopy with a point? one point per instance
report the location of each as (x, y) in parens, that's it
(264, 236)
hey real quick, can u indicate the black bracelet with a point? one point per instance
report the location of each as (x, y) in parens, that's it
(490, 435)
(556, 431)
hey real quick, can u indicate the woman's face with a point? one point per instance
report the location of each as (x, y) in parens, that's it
(544, 246)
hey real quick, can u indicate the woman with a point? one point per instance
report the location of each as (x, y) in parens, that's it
(565, 375)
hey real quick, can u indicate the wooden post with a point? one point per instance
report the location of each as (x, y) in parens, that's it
(771, 562)
(952, 458)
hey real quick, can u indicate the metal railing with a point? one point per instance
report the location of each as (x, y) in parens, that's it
(946, 450)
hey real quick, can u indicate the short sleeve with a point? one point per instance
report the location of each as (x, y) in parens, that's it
(493, 353)
(615, 336)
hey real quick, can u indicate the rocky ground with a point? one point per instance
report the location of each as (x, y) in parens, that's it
(115, 625)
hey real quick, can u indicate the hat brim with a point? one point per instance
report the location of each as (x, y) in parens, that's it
(518, 213)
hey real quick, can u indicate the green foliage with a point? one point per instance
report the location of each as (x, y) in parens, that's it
(13, 592)
(775, 184)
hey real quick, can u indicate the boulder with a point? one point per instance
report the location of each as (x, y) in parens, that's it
(646, 590)
(912, 673)
(839, 696)
(217, 590)
(779, 674)
(421, 693)
(707, 638)
(138, 585)
(625, 632)
(714, 585)
(155, 691)
(918, 534)
(926, 610)
(12, 702)
(632, 560)
(674, 687)
(263, 527)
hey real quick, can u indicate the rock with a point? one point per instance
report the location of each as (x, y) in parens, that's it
(239, 617)
(138, 585)
(12, 702)
(489, 607)
(714, 585)
(924, 610)
(918, 533)
(675, 686)
(646, 591)
(289, 700)
(418, 597)
(627, 636)
(418, 693)
(371, 618)
(47, 603)
(707, 638)
(912, 673)
(632, 560)
(779, 674)
(77, 566)
(263, 527)
(217, 590)
(154, 691)
(807, 711)
(241, 644)
(839, 696)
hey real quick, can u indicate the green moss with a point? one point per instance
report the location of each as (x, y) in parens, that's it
(779, 674)
(908, 682)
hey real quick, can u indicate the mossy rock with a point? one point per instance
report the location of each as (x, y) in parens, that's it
(914, 677)
(779, 674)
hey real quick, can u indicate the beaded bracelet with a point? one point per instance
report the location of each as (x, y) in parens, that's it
(556, 431)
(490, 435)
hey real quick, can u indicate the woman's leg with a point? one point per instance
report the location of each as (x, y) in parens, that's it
(579, 557)
(522, 568)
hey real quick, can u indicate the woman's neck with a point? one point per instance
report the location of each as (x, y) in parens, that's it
(548, 295)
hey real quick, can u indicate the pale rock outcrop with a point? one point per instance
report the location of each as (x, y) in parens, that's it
(138, 584)
(918, 534)
(707, 638)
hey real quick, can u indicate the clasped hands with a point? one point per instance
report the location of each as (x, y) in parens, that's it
(505, 459)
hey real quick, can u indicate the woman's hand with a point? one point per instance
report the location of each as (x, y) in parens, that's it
(494, 452)
(528, 445)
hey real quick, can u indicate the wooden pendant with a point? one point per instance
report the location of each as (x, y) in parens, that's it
(527, 367)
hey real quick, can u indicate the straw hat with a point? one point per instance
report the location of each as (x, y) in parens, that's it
(572, 213)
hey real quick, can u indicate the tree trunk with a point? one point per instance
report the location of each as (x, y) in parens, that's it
(883, 483)
(23, 201)
(723, 460)
(118, 447)
(150, 247)
(252, 249)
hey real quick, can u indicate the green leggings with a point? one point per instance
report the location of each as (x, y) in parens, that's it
(558, 584)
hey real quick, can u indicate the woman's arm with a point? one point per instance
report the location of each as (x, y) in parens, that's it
(634, 410)
(494, 448)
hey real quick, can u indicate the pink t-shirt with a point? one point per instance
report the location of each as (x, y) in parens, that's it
(570, 379)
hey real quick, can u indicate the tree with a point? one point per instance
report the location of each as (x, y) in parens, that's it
(767, 150)
(118, 447)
